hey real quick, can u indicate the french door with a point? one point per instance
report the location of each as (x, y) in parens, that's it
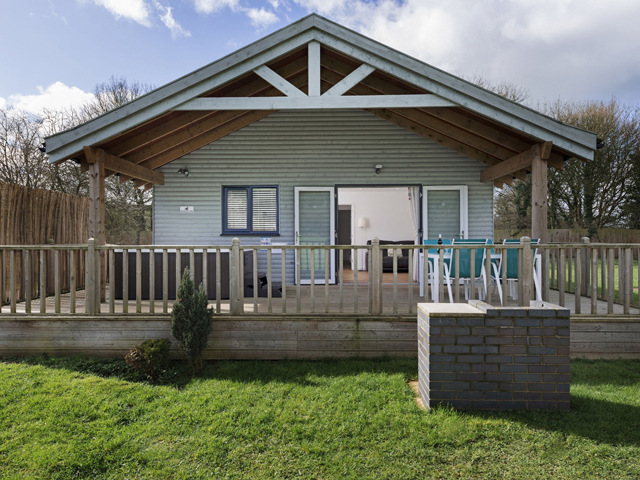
(445, 212)
(315, 225)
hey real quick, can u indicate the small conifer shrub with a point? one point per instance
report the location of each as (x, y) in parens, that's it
(150, 358)
(191, 321)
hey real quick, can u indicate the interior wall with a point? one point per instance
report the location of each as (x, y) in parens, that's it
(388, 214)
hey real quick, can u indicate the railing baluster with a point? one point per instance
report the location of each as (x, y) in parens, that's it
(27, 280)
(178, 270)
(125, 280)
(561, 274)
(621, 282)
(56, 279)
(269, 281)
(313, 279)
(505, 281)
(472, 274)
(192, 265)
(369, 267)
(456, 253)
(611, 278)
(3, 262)
(425, 275)
(441, 274)
(578, 279)
(326, 280)
(218, 282)
(341, 278)
(638, 257)
(72, 282)
(43, 283)
(12, 280)
(487, 263)
(355, 282)
(138, 280)
(594, 281)
(553, 269)
(283, 268)
(603, 271)
(205, 273)
(520, 276)
(112, 282)
(298, 252)
(411, 251)
(241, 278)
(152, 281)
(628, 291)
(395, 280)
(256, 287)
(165, 281)
(545, 274)
(570, 270)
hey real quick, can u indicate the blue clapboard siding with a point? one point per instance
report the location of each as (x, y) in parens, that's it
(302, 148)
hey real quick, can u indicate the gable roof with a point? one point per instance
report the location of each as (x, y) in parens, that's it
(482, 105)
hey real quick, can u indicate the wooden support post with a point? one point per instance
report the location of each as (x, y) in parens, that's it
(376, 277)
(586, 278)
(527, 271)
(541, 153)
(234, 278)
(96, 207)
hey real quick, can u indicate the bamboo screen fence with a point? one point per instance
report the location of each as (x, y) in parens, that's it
(30, 216)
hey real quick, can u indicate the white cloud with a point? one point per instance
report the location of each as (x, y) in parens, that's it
(261, 18)
(210, 6)
(167, 18)
(555, 48)
(56, 96)
(136, 10)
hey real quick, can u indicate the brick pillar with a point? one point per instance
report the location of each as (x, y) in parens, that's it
(479, 356)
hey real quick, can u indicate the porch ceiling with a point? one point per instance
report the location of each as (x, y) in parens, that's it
(177, 133)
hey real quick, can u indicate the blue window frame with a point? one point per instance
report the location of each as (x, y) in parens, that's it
(251, 210)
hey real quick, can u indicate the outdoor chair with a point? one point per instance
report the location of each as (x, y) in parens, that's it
(512, 269)
(466, 269)
(432, 274)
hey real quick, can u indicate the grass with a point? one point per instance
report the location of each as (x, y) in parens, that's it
(634, 299)
(84, 418)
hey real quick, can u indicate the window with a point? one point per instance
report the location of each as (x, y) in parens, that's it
(250, 210)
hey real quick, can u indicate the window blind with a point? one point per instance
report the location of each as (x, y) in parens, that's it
(236, 209)
(265, 209)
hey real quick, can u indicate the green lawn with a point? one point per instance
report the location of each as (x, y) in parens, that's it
(83, 418)
(634, 299)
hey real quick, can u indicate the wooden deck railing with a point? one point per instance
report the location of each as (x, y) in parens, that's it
(308, 279)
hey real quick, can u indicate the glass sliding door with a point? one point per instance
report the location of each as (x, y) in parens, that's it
(315, 225)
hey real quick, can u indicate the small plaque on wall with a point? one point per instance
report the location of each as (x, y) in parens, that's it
(187, 209)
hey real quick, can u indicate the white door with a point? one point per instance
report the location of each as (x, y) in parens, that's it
(315, 225)
(445, 212)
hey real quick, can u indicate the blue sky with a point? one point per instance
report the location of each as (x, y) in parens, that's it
(52, 52)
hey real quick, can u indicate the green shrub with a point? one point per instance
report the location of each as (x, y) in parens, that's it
(191, 321)
(149, 358)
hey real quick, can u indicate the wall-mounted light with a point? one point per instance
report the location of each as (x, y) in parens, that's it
(184, 171)
(378, 168)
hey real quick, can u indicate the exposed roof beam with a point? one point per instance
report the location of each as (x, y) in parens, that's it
(315, 103)
(518, 162)
(205, 139)
(278, 82)
(313, 50)
(435, 136)
(350, 81)
(119, 165)
(374, 84)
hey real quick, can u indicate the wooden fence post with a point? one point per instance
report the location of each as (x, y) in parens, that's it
(527, 271)
(90, 283)
(234, 278)
(376, 277)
